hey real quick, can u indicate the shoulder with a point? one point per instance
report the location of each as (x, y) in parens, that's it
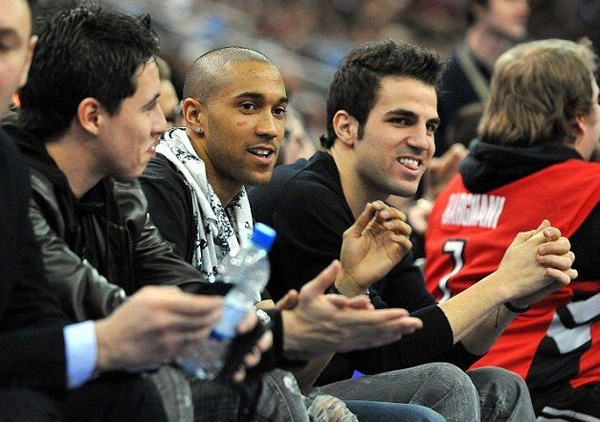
(131, 201)
(162, 175)
(160, 169)
(304, 184)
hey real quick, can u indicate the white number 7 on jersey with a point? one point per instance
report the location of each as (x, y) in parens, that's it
(454, 248)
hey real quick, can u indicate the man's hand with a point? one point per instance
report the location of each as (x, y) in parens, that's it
(263, 344)
(322, 323)
(154, 326)
(159, 322)
(537, 263)
(371, 247)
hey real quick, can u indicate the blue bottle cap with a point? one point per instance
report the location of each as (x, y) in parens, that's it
(263, 236)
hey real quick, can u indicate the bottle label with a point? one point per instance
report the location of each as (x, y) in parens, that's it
(233, 313)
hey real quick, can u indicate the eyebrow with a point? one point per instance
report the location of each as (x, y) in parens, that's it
(261, 97)
(9, 33)
(150, 103)
(408, 113)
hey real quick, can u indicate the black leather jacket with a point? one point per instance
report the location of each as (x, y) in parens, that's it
(105, 235)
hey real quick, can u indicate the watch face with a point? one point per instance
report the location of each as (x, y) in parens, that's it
(263, 316)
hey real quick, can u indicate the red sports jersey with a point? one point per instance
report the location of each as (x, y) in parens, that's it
(557, 340)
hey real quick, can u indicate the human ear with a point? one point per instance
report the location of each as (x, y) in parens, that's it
(90, 115)
(194, 115)
(345, 127)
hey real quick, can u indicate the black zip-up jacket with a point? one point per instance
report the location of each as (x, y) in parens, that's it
(100, 248)
(103, 247)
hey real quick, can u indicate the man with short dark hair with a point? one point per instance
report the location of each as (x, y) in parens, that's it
(381, 120)
(48, 362)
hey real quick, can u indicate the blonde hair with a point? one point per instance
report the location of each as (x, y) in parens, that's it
(538, 88)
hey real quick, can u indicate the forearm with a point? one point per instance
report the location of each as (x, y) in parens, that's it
(482, 337)
(307, 375)
(472, 313)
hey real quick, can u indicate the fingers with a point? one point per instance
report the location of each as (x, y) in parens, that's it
(551, 234)
(318, 285)
(363, 219)
(394, 223)
(359, 302)
(544, 224)
(557, 247)
(188, 304)
(560, 262)
(240, 375)
(367, 336)
(289, 301)
(522, 237)
(539, 236)
(546, 233)
(403, 241)
(377, 318)
(562, 278)
(265, 342)
(356, 302)
(162, 320)
(251, 359)
(247, 323)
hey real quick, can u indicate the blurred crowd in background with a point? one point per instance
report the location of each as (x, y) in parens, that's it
(307, 38)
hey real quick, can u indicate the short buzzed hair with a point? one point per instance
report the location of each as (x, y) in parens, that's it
(206, 73)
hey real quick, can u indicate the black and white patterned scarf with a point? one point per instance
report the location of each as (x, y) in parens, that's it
(218, 229)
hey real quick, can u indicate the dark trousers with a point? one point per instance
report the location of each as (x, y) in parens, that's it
(114, 398)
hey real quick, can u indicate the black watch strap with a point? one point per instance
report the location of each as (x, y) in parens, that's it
(515, 309)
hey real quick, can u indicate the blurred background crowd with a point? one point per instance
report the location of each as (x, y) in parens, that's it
(307, 38)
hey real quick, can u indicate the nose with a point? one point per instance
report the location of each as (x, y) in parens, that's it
(159, 122)
(420, 138)
(268, 126)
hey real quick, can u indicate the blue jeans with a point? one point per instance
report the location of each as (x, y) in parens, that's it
(376, 411)
(486, 394)
(281, 401)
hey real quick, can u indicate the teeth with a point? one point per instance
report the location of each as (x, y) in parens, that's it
(409, 162)
(261, 152)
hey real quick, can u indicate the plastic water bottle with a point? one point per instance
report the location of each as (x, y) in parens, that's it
(248, 272)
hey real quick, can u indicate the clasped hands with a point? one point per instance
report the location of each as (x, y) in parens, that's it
(536, 264)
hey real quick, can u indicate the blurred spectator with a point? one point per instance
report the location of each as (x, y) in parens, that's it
(296, 142)
(462, 128)
(493, 26)
(168, 100)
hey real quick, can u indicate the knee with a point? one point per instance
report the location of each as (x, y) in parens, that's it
(503, 392)
(450, 375)
(499, 379)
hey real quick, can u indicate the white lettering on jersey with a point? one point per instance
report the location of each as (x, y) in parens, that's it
(473, 210)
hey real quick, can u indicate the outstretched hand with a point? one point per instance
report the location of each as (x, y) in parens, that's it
(321, 323)
(371, 247)
(538, 263)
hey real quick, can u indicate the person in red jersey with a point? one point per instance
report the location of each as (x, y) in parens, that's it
(532, 161)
